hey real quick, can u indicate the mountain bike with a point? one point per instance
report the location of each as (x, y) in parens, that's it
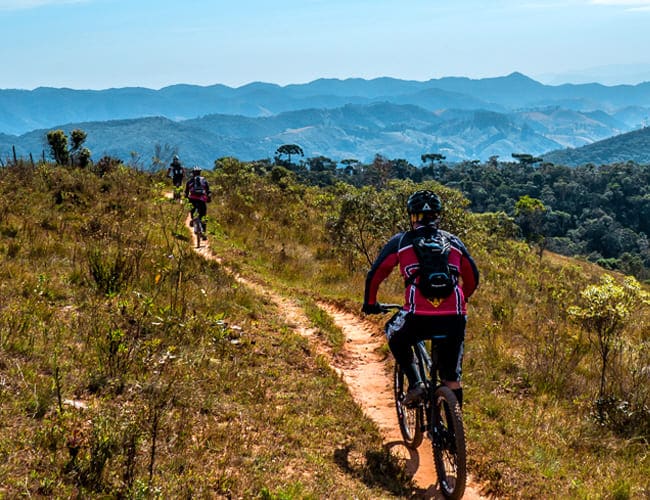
(437, 415)
(197, 227)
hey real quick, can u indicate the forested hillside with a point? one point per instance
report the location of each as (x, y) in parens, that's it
(133, 367)
(621, 148)
(598, 213)
(351, 131)
(601, 213)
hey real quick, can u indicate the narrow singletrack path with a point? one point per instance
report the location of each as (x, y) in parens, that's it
(366, 371)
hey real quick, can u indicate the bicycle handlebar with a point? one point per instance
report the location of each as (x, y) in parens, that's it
(389, 307)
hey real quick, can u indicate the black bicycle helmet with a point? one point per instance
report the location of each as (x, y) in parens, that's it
(424, 202)
(424, 208)
(196, 169)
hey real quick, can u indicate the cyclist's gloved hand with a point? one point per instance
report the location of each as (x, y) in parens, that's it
(371, 308)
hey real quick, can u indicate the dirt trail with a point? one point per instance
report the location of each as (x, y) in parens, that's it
(368, 374)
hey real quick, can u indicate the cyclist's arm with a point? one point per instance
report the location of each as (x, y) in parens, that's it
(469, 274)
(381, 268)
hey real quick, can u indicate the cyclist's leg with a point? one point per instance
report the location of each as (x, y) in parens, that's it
(203, 210)
(451, 352)
(400, 342)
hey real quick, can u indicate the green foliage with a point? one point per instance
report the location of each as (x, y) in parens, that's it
(58, 142)
(526, 159)
(75, 154)
(595, 212)
(530, 215)
(368, 216)
(606, 309)
(183, 382)
(598, 212)
(110, 272)
(288, 150)
(138, 369)
(529, 371)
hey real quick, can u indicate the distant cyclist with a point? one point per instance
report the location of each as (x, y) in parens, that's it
(176, 172)
(197, 190)
(422, 318)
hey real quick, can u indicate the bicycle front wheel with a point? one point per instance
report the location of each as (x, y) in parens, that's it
(409, 419)
(448, 443)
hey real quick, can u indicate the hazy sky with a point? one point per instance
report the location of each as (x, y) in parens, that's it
(99, 44)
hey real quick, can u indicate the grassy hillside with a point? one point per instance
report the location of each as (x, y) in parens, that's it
(532, 373)
(133, 367)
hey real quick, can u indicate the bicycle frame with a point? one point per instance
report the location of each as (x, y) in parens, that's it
(437, 415)
(428, 367)
(197, 227)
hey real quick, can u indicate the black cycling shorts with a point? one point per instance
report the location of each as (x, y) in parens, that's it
(419, 327)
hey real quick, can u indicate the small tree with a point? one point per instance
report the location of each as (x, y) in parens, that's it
(76, 154)
(435, 168)
(321, 164)
(606, 310)
(79, 155)
(288, 150)
(526, 159)
(77, 138)
(432, 158)
(58, 142)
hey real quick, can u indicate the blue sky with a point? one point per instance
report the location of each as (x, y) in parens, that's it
(97, 44)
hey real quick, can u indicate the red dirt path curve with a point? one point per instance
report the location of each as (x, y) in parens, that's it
(368, 374)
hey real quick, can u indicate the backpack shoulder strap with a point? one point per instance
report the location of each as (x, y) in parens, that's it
(411, 279)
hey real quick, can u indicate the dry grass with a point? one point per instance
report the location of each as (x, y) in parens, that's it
(531, 374)
(130, 366)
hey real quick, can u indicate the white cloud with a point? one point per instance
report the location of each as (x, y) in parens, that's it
(31, 4)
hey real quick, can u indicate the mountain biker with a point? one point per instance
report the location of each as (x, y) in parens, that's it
(197, 191)
(176, 172)
(421, 318)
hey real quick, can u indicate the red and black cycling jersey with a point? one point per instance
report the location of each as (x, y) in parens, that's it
(192, 194)
(399, 251)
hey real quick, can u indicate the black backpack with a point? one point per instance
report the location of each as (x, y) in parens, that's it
(198, 185)
(177, 170)
(437, 279)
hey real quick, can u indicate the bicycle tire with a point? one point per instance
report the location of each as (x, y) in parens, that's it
(409, 419)
(198, 231)
(448, 443)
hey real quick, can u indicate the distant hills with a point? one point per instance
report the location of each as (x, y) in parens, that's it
(354, 118)
(633, 145)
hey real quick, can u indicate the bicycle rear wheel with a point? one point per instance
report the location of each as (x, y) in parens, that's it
(410, 419)
(448, 443)
(198, 231)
